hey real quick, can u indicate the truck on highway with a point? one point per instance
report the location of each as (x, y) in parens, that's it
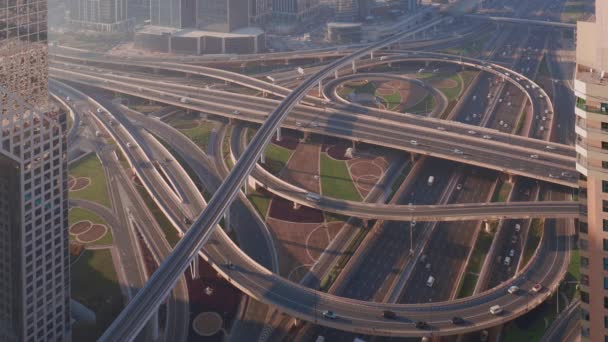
(431, 180)
(183, 100)
(320, 338)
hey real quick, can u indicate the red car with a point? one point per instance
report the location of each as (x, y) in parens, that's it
(536, 288)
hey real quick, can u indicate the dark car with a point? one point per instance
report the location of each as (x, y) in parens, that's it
(389, 314)
(457, 320)
(422, 325)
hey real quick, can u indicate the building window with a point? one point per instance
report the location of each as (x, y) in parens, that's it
(604, 145)
(605, 264)
(584, 279)
(605, 241)
(583, 244)
(605, 283)
(584, 315)
(585, 262)
(604, 206)
(584, 297)
(604, 186)
(605, 322)
(582, 227)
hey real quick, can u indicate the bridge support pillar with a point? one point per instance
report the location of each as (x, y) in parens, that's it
(371, 55)
(354, 65)
(427, 63)
(296, 206)
(305, 136)
(390, 65)
(336, 74)
(487, 226)
(279, 134)
(194, 271)
(414, 157)
(263, 157)
(231, 121)
(510, 178)
(245, 188)
(320, 88)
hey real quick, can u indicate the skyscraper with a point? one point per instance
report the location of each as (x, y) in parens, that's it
(173, 13)
(34, 260)
(222, 15)
(104, 15)
(591, 90)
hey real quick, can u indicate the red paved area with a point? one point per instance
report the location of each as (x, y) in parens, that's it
(80, 184)
(282, 209)
(96, 232)
(367, 168)
(299, 244)
(80, 227)
(224, 299)
(302, 169)
(289, 139)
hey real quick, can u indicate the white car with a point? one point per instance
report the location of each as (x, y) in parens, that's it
(512, 253)
(507, 261)
(457, 151)
(487, 137)
(414, 142)
(496, 310)
(517, 227)
(439, 128)
(534, 156)
(472, 132)
(513, 289)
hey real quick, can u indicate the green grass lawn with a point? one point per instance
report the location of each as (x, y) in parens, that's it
(392, 100)
(276, 158)
(534, 236)
(97, 191)
(427, 104)
(333, 217)
(467, 286)
(200, 134)
(80, 214)
(336, 181)
(453, 93)
(260, 202)
(226, 154)
(95, 285)
(482, 246)
(502, 192)
(480, 251)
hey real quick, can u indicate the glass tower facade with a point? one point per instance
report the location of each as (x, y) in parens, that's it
(34, 260)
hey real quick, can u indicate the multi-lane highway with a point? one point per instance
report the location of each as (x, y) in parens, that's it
(441, 138)
(483, 147)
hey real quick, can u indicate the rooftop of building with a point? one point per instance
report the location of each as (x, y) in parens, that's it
(194, 33)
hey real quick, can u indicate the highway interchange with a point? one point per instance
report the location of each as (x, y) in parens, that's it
(354, 315)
